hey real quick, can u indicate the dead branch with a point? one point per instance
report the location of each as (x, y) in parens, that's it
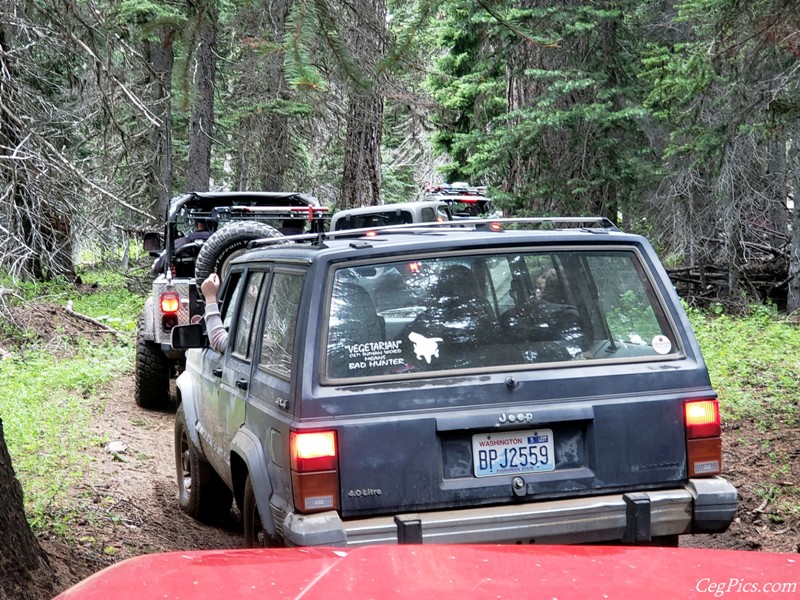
(88, 319)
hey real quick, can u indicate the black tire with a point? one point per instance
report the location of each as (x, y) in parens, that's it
(153, 371)
(255, 536)
(228, 243)
(666, 541)
(202, 494)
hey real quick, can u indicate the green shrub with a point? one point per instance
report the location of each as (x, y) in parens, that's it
(753, 362)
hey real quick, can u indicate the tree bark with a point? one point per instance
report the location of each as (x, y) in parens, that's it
(776, 190)
(201, 123)
(275, 134)
(793, 300)
(361, 185)
(24, 568)
(361, 179)
(160, 56)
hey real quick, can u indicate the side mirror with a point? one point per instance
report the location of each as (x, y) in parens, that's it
(188, 336)
(152, 243)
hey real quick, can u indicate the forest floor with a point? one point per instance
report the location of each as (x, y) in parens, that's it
(128, 504)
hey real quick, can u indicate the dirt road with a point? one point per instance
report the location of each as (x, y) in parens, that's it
(128, 499)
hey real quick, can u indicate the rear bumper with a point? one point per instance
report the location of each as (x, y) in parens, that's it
(701, 506)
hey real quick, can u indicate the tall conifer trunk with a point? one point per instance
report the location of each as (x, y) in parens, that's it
(24, 567)
(361, 179)
(201, 124)
(160, 56)
(275, 136)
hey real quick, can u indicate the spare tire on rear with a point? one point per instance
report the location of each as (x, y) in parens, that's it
(226, 244)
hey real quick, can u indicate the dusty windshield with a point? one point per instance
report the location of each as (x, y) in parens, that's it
(441, 314)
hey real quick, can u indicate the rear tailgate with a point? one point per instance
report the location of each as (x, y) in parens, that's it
(511, 448)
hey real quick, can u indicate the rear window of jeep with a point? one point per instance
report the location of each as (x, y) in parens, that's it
(510, 309)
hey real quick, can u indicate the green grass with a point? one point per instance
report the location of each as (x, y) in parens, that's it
(754, 364)
(47, 399)
(46, 405)
(109, 302)
(112, 303)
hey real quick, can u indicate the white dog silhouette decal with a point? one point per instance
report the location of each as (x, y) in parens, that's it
(425, 347)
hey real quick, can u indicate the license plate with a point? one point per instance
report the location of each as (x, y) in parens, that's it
(513, 452)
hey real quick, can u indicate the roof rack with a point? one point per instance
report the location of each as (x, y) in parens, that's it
(233, 213)
(486, 224)
(492, 225)
(207, 201)
(457, 188)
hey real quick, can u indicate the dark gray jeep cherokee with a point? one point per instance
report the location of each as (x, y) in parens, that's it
(456, 383)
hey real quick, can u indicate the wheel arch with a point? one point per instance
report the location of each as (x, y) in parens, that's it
(248, 458)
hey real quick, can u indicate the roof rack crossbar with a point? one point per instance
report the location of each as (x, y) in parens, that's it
(471, 223)
(463, 224)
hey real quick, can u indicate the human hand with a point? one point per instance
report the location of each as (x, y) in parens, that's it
(210, 287)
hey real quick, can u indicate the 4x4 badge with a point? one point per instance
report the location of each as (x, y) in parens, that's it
(282, 402)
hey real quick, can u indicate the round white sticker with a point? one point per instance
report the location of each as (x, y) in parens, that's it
(661, 344)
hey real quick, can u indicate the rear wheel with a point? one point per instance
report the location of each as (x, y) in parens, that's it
(202, 494)
(226, 244)
(152, 373)
(255, 536)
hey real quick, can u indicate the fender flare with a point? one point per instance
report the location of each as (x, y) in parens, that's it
(249, 449)
(187, 396)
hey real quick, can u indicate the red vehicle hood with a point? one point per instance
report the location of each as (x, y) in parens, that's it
(437, 572)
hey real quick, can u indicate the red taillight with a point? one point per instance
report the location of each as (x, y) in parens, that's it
(314, 451)
(703, 441)
(702, 419)
(315, 475)
(170, 303)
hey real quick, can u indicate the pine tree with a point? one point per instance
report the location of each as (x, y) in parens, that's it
(545, 105)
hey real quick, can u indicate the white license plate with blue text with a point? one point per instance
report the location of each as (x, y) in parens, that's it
(513, 452)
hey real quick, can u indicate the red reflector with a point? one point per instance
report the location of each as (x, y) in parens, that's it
(170, 303)
(315, 451)
(169, 321)
(495, 227)
(371, 234)
(702, 419)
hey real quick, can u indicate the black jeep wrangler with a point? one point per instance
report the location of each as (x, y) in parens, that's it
(185, 256)
(454, 382)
